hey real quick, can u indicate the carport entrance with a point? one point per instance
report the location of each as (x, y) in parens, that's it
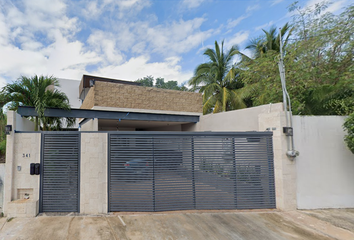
(60, 172)
(150, 171)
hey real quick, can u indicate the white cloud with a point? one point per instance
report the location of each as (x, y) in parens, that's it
(177, 37)
(252, 8)
(115, 8)
(335, 6)
(237, 39)
(2, 82)
(140, 66)
(275, 2)
(46, 42)
(40, 43)
(104, 44)
(235, 22)
(332, 7)
(192, 3)
(264, 26)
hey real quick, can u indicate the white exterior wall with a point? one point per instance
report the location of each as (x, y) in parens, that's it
(90, 125)
(23, 124)
(71, 88)
(325, 166)
(237, 120)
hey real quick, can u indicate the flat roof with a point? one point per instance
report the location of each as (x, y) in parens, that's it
(85, 81)
(25, 111)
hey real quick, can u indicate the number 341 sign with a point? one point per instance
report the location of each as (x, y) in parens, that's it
(26, 155)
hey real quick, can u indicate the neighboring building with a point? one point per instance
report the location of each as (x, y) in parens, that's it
(69, 87)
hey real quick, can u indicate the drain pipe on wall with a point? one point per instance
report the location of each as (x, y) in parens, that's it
(288, 129)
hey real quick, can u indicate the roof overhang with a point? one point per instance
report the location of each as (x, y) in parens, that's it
(102, 114)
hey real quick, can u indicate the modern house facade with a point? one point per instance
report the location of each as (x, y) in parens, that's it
(129, 97)
(147, 149)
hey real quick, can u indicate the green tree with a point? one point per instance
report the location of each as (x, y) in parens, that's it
(38, 92)
(318, 62)
(349, 128)
(148, 81)
(217, 80)
(270, 41)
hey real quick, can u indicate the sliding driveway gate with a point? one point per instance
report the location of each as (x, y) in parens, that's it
(60, 172)
(182, 171)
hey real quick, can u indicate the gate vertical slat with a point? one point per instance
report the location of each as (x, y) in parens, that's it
(234, 168)
(153, 176)
(60, 173)
(272, 201)
(179, 171)
(193, 174)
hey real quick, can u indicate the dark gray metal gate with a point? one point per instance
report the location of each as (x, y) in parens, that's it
(60, 171)
(183, 171)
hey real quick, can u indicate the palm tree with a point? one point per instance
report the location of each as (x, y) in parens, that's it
(270, 40)
(216, 80)
(37, 92)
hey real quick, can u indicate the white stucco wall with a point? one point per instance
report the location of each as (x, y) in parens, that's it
(23, 124)
(71, 89)
(90, 125)
(237, 120)
(325, 167)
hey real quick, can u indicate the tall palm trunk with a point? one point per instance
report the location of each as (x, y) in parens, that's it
(224, 99)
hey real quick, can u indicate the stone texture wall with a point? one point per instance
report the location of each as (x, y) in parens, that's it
(127, 96)
(27, 151)
(93, 174)
(89, 99)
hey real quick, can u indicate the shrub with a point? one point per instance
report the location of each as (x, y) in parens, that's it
(349, 127)
(3, 147)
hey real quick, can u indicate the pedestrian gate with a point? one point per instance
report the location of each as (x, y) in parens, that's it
(60, 172)
(183, 171)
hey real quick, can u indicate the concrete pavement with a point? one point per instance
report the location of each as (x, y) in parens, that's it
(323, 224)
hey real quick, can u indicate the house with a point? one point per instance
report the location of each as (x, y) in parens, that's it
(169, 106)
(147, 149)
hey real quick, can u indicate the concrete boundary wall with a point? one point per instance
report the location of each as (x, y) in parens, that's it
(325, 166)
(93, 177)
(22, 149)
(93, 182)
(237, 120)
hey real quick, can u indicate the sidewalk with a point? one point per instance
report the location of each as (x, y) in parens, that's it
(272, 225)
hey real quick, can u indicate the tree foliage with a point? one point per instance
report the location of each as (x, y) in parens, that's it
(349, 128)
(318, 61)
(38, 92)
(217, 80)
(148, 81)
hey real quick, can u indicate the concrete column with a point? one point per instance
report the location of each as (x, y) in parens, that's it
(93, 173)
(9, 165)
(284, 168)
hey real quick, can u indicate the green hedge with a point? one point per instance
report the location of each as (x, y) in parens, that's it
(349, 127)
(3, 147)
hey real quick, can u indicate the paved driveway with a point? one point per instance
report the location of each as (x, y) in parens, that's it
(324, 224)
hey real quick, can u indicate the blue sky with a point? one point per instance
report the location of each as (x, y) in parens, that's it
(128, 39)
